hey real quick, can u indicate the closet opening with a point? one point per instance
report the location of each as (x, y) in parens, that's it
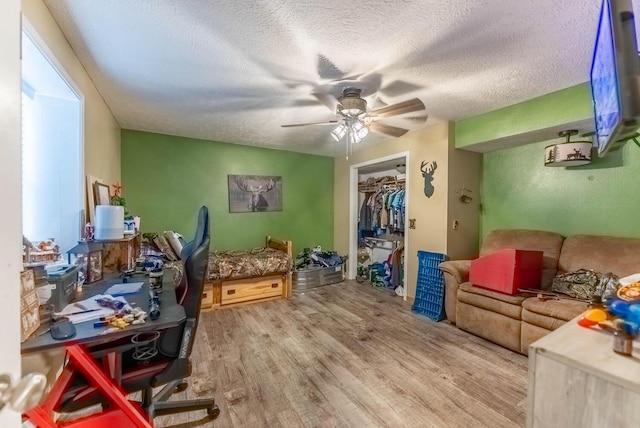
(379, 203)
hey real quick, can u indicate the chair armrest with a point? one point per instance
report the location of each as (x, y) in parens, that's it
(458, 269)
(180, 367)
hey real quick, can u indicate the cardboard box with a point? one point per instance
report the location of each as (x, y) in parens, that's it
(29, 315)
(507, 270)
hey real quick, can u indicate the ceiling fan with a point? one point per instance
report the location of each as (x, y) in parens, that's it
(354, 121)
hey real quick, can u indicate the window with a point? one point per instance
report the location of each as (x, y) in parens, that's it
(52, 164)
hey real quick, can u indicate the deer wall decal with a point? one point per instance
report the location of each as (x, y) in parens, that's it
(427, 174)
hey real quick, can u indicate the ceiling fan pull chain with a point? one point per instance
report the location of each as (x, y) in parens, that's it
(348, 145)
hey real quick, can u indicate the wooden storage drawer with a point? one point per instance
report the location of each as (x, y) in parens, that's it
(207, 296)
(250, 289)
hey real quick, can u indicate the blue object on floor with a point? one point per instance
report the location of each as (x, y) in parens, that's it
(430, 286)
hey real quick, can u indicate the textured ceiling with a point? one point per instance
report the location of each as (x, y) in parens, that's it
(234, 71)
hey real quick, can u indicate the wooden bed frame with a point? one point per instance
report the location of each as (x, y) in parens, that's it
(227, 292)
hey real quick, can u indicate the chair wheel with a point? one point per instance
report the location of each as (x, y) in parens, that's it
(181, 386)
(213, 412)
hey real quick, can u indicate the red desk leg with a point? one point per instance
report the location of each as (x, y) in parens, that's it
(124, 413)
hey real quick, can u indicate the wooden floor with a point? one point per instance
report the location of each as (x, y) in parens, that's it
(348, 355)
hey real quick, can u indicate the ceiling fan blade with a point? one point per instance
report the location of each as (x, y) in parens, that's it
(329, 100)
(381, 128)
(377, 103)
(400, 108)
(328, 70)
(331, 122)
(418, 119)
(399, 87)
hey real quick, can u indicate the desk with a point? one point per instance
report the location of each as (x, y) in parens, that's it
(122, 412)
(171, 314)
(577, 381)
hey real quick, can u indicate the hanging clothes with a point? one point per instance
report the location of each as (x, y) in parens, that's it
(397, 269)
(364, 222)
(383, 207)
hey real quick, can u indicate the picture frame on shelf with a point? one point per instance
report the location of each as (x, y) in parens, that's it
(101, 194)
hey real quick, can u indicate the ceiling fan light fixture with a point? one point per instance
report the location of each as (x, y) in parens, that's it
(339, 132)
(354, 121)
(362, 132)
(354, 138)
(350, 104)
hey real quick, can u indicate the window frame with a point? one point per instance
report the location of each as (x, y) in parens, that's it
(28, 30)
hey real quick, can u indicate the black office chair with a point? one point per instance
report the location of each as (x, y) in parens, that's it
(171, 365)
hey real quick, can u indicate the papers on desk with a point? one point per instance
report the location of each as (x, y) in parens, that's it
(88, 309)
(128, 288)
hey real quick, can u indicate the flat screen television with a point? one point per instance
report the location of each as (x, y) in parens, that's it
(615, 76)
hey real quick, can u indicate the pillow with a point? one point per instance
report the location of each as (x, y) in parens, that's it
(584, 284)
(164, 246)
(175, 240)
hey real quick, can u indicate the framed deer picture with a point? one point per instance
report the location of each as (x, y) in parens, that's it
(254, 193)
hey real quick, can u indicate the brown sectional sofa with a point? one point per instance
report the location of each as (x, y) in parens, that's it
(516, 321)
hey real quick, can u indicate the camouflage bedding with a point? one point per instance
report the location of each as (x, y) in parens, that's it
(247, 263)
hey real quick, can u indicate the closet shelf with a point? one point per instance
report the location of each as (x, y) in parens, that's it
(387, 182)
(381, 242)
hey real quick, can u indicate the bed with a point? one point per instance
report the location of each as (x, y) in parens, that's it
(241, 276)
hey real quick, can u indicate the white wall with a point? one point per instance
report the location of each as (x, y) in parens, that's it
(101, 130)
(10, 214)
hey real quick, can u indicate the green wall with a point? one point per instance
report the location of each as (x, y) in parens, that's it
(518, 191)
(567, 106)
(167, 178)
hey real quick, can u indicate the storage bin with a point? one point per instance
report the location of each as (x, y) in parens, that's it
(316, 277)
(430, 286)
(508, 270)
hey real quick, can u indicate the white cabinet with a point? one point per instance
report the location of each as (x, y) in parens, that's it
(576, 380)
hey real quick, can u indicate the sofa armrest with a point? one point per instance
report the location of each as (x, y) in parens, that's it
(459, 269)
(455, 272)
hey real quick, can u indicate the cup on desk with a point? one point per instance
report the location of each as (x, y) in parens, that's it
(155, 281)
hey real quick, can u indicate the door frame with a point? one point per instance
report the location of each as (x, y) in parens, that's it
(354, 210)
(11, 213)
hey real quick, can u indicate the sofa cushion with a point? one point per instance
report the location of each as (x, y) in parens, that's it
(540, 317)
(529, 333)
(500, 303)
(496, 327)
(549, 243)
(563, 309)
(600, 253)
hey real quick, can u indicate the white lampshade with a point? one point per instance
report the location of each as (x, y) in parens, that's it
(339, 132)
(575, 153)
(109, 222)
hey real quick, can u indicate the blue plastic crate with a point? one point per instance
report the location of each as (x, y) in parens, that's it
(430, 286)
